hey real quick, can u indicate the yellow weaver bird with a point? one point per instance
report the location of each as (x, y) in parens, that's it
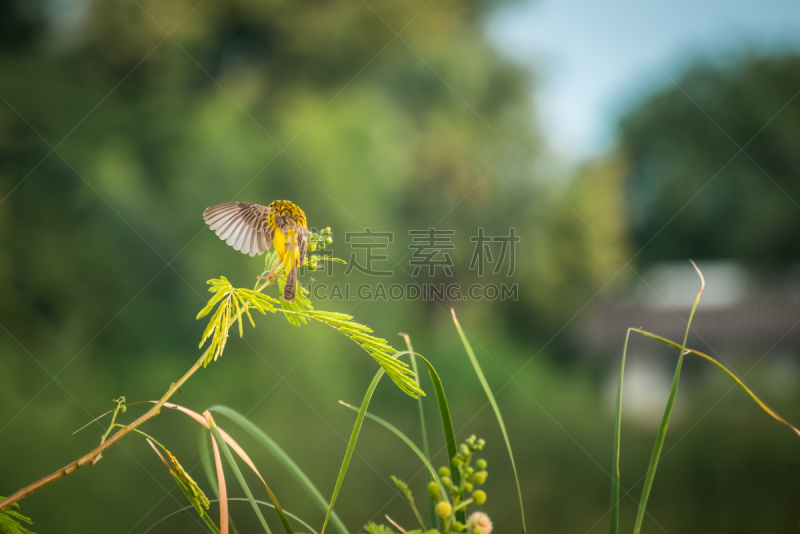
(252, 228)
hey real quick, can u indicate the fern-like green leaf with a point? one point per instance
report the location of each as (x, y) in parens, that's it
(301, 303)
(232, 303)
(378, 348)
(11, 521)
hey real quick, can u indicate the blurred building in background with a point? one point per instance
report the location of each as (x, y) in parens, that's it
(741, 312)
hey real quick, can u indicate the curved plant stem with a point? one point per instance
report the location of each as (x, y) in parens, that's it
(93, 456)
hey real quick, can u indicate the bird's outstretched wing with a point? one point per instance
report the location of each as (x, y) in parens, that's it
(243, 225)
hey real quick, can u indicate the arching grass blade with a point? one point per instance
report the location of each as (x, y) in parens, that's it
(617, 436)
(223, 491)
(496, 409)
(425, 449)
(351, 445)
(238, 474)
(262, 503)
(204, 444)
(728, 372)
(430, 470)
(662, 431)
(284, 459)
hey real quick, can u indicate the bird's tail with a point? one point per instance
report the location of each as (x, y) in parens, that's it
(290, 288)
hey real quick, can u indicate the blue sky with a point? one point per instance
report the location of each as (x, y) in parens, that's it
(587, 72)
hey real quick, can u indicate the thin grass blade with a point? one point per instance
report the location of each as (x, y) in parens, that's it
(205, 459)
(262, 503)
(488, 390)
(662, 431)
(204, 444)
(728, 372)
(235, 446)
(396, 431)
(617, 436)
(447, 427)
(425, 449)
(222, 490)
(444, 413)
(447, 423)
(206, 518)
(284, 459)
(195, 504)
(351, 445)
(237, 473)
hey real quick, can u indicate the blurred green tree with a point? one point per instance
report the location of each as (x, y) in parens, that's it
(165, 109)
(103, 253)
(684, 147)
(121, 120)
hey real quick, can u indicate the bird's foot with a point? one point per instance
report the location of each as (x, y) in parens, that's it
(270, 274)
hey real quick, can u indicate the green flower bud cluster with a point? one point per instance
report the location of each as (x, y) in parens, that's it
(317, 241)
(462, 493)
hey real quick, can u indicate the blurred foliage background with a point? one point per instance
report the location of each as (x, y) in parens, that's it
(122, 120)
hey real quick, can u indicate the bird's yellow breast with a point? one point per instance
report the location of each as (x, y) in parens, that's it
(279, 242)
(286, 217)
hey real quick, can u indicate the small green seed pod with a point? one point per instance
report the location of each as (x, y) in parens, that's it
(463, 449)
(479, 497)
(468, 487)
(480, 444)
(444, 472)
(470, 440)
(329, 240)
(312, 246)
(458, 526)
(433, 490)
(446, 481)
(481, 464)
(480, 477)
(443, 509)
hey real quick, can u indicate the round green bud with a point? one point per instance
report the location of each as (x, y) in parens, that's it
(458, 526)
(463, 449)
(457, 461)
(329, 240)
(480, 477)
(327, 229)
(443, 509)
(312, 246)
(446, 481)
(481, 464)
(444, 472)
(433, 490)
(479, 497)
(471, 439)
(479, 445)
(468, 487)
(122, 408)
(469, 470)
